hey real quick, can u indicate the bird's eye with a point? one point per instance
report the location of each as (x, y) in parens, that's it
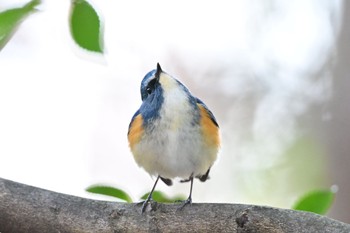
(149, 90)
(151, 86)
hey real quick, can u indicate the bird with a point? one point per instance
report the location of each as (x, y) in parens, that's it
(173, 134)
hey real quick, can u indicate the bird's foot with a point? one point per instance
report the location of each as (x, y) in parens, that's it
(144, 203)
(184, 203)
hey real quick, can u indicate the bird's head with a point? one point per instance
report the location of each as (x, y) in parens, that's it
(160, 90)
(150, 83)
(157, 84)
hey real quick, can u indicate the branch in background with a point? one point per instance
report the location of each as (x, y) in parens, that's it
(25, 208)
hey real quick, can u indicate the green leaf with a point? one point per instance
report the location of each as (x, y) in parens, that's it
(110, 191)
(85, 26)
(11, 19)
(317, 202)
(159, 196)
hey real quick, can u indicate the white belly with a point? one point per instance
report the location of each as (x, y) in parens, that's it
(174, 152)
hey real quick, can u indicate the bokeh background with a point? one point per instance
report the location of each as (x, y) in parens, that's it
(275, 74)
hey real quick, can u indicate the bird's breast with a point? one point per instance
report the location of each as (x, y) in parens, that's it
(172, 143)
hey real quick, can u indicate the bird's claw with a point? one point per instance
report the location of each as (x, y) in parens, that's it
(184, 203)
(145, 204)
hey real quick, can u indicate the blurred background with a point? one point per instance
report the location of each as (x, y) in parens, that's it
(275, 74)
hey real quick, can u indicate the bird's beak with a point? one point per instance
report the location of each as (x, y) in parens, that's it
(158, 71)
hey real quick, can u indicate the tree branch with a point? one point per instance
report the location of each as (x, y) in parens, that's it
(25, 208)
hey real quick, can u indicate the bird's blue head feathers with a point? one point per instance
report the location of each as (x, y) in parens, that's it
(149, 76)
(150, 82)
(151, 94)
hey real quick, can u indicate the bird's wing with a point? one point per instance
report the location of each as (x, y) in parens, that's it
(209, 125)
(201, 105)
(135, 129)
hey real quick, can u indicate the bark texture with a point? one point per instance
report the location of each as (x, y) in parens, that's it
(25, 208)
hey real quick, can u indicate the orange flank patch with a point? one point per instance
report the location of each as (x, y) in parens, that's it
(209, 129)
(135, 131)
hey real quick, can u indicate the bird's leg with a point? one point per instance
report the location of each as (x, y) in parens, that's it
(189, 199)
(149, 198)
